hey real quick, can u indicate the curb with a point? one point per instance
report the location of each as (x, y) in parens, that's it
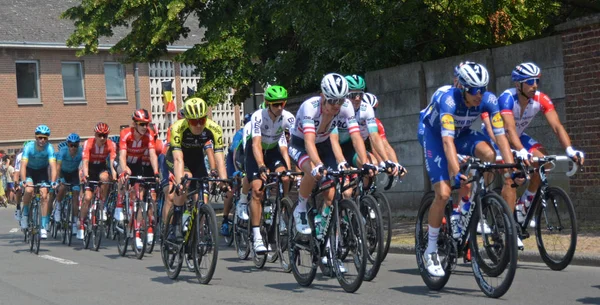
(524, 256)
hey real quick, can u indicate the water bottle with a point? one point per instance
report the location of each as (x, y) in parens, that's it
(318, 220)
(185, 220)
(464, 210)
(267, 212)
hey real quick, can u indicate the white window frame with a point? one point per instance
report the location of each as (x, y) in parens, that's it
(74, 100)
(29, 101)
(119, 99)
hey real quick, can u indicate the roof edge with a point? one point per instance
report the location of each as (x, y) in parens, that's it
(63, 46)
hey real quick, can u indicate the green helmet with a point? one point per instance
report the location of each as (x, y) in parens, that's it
(275, 93)
(355, 82)
(263, 105)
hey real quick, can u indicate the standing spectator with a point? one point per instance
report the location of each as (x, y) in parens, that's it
(9, 172)
(3, 201)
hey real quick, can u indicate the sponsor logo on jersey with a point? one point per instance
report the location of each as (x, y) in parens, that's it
(497, 121)
(448, 122)
(449, 101)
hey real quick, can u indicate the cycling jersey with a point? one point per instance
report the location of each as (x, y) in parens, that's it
(509, 104)
(365, 116)
(135, 148)
(97, 154)
(309, 119)
(237, 140)
(190, 144)
(380, 128)
(271, 131)
(159, 148)
(247, 134)
(69, 163)
(38, 159)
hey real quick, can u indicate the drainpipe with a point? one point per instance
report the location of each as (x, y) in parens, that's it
(137, 86)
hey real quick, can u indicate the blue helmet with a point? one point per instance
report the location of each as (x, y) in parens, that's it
(247, 118)
(42, 130)
(73, 138)
(525, 71)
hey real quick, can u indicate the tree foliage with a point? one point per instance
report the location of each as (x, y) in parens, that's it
(295, 42)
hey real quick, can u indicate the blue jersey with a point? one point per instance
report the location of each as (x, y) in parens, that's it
(237, 140)
(448, 113)
(69, 164)
(38, 159)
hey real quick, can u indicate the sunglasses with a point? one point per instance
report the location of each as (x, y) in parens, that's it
(335, 101)
(74, 145)
(476, 90)
(277, 104)
(41, 137)
(531, 81)
(102, 135)
(354, 95)
(197, 122)
(142, 124)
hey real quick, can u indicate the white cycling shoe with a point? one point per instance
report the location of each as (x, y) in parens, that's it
(433, 265)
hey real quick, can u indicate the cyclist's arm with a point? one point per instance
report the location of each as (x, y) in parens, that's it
(485, 118)
(178, 166)
(450, 152)
(378, 146)
(219, 157)
(311, 148)
(359, 146)
(210, 154)
(153, 160)
(24, 169)
(123, 159)
(53, 175)
(58, 166)
(85, 166)
(390, 150)
(286, 157)
(557, 128)
(257, 150)
(335, 146)
(511, 130)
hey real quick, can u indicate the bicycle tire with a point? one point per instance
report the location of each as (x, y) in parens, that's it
(356, 230)
(87, 233)
(551, 210)
(172, 258)
(299, 247)
(259, 260)
(445, 251)
(37, 220)
(151, 226)
(508, 253)
(242, 245)
(373, 235)
(65, 220)
(140, 213)
(69, 228)
(97, 230)
(205, 244)
(282, 232)
(386, 219)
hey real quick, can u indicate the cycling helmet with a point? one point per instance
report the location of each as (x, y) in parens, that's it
(195, 108)
(73, 138)
(102, 128)
(459, 65)
(263, 105)
(355, 82)
(473, 75)
(247, 118)
(141, 115)
(180, 114)
(526, 71)
(334, 86)
(370, 99)
(42, 130)
(275, 93)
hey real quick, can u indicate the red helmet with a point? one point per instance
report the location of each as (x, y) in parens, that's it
(141, 115)
(102, 128)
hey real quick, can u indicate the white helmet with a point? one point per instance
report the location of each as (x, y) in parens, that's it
(473, 75)
(370, 99)
(334, 86)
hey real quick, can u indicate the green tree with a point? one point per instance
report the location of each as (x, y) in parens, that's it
(295, 42)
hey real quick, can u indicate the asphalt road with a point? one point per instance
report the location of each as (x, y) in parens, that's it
(73, 276)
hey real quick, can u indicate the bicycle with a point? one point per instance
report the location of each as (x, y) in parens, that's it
(34, 220)
(344, 235)
(386, 211)
(94, 226)
(198, 231)
(66, 214)
(491, 255)
(236, 188)
(110, 205)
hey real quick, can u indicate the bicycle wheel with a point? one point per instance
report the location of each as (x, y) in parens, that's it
(259, 259)
(121, 230)
(446, 251)
(374, 235)
(556, 229)
(69, 221)
(205, 245)
(171, 253)
(139, 220)
(229, 239)
(303, 252)
(65, 218)
(37, 220)
(386, 221)
(494, 273)
(97, 229)
(53, 226)
(87, 233)
(110, 209)
(240, 236)
(282, 233)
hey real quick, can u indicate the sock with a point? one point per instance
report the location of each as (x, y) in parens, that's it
(301, 203)
(432, 242)
(45, 221)
(244, 198)
(25, 210)
(256, 233)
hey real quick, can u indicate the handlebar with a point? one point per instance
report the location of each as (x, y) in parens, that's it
(554, 158)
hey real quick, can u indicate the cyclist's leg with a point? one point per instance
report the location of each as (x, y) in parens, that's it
(257, 197)
(299, 156)
(536, 149)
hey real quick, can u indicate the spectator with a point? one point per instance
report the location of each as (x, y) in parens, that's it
(9, 172)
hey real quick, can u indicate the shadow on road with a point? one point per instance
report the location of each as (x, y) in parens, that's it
(589, 300)
(294, 287)
(424, 291)
(249, 269)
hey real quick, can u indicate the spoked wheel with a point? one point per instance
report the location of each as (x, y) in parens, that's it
(87, 233)
(151, 221)
(54, 228)
(282, 233)
(97, 230)
(556, 229)
(36, 236)
(205, 247)
(303, 252)
(140, 229)
(446, 252)
(66, 217)
(374, 235)
(122, 234)
(171, 253)
(494, 273)
(386, 220)
(259, 259)
(240, 236)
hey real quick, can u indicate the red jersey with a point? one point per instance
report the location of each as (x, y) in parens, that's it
(380, 128)
(98, 154)
(135, 148)
(159, 147)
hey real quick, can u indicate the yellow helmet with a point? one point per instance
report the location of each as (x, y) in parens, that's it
(194, 108)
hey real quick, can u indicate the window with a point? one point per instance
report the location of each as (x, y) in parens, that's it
(114, 76)
(72, 77)
(28, 82)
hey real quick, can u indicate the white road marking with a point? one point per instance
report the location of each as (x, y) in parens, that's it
(58, 260)
(13, 230)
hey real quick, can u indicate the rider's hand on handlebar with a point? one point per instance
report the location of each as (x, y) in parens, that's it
(263, 171)
(459, 180)
(318, 171)
(576, 155)
(342, 165)
(390, 167)
(369, 169)
(525, 156)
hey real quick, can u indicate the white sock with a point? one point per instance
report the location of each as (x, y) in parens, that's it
(433, 237)
(244, 198)
(256, 233)
(301, 203)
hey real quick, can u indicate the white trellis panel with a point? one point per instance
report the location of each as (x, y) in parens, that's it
(224, 115)
(162, 70)
(188, 79)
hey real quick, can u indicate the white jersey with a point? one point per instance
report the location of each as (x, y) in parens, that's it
(509, 104)
(18, 162)
(247, 134)
(365, 116)
(271, 131)
(309, 119)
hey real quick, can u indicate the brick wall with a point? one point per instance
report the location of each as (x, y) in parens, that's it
(19, 121)
(581, 47)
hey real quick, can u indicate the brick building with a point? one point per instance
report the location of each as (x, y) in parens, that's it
(43, 82)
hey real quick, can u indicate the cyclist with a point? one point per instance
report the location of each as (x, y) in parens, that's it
(16, 179)
(242, 206)
(310, 147)
(446, 130)
(185, 155)
(95, 168)
(518, 107)
(135, 142)
(267, 152)
(37, 161)
(233, 163)
(372, 100)
(68, 160)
